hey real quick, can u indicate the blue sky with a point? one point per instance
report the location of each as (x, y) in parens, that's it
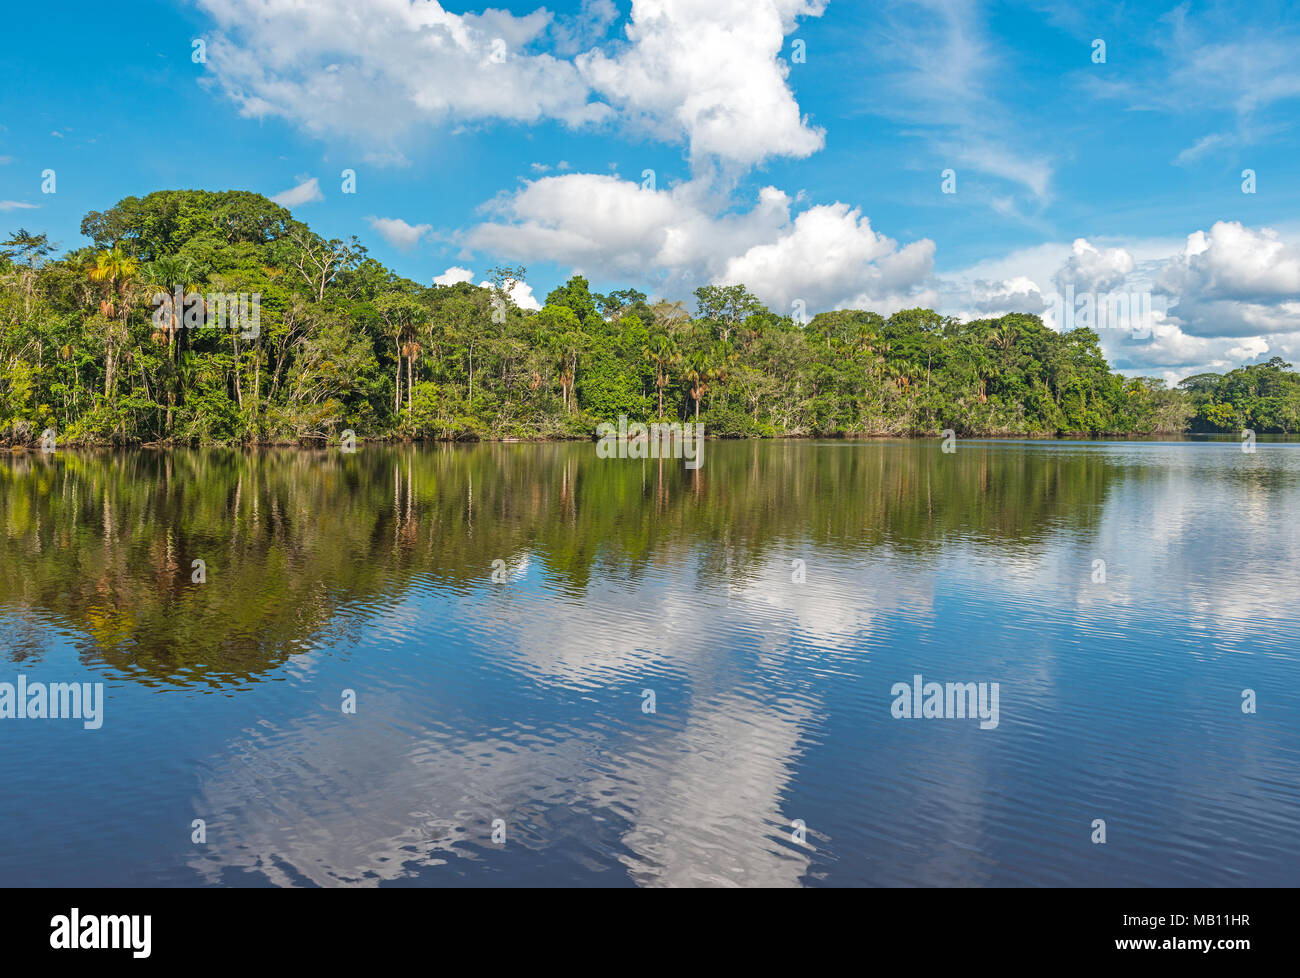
(522, 134)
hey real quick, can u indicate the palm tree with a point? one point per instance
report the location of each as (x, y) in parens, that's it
(115, 271)
(864, 339)
(663, 354)
(411, 350)
(1004, 338)
(569, 347)
(724, 358)
(400, 313)
(697, 374)
(171, 274)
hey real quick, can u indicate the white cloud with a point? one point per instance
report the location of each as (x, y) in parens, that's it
(707, 72)
(1219, 298)
(376, 74)
(675, 239)
(521, 294)
(830, 257)
(398, 233)
(575, 33)
(1089, 269)
(306, 192)
(711, 70)
(1235, 281)
(1018, 294)
(454, 275)
(1202, 147)
(1215, 63)
(14, 205)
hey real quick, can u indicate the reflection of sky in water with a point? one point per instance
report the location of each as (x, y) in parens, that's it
(522, 701)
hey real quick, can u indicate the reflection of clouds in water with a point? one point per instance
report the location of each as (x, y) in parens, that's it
(1200, 534)
(840, 602)
(611, 633)
(705, 814)
(703, 802)
(1212, 539)
(346, 801)
(616, 632)
(340, 804)
(355, 800)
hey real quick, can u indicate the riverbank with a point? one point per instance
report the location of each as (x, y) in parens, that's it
(320, 443)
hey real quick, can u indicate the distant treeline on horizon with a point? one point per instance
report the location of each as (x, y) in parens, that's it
(341, 342)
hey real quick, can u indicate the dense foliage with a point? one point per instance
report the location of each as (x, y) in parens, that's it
(344, 343)
(1263, 397)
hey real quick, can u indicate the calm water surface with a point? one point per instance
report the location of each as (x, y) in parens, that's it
(522, 699)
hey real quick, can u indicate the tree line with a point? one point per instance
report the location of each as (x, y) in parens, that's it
(344, 343)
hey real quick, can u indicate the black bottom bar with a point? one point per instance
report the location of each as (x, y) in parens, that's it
(978, 928)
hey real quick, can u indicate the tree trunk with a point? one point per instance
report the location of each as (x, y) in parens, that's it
(397, 383)
(257, 378)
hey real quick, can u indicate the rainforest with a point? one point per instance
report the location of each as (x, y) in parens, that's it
(87, 351)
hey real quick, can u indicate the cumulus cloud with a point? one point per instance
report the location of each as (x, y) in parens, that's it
(675, 239)
(304, 193)
(332, 67)
(706, 72)
(1019, 294)
(1091, 269)
(829, 256)
(454, 275)
(1217, 299)
(1235, 281)
(521, 294)
(710, 69)
(398, 233)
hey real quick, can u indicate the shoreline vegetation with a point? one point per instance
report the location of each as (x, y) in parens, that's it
(198, 318)
(394, 441)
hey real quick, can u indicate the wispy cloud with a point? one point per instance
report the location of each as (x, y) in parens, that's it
(304, 193)
(1214, 66)
(398, 233)
(939, 70)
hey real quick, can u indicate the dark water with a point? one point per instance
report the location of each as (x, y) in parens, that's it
(522, 699)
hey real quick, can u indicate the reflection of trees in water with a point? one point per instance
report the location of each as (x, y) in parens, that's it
(103, 543)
